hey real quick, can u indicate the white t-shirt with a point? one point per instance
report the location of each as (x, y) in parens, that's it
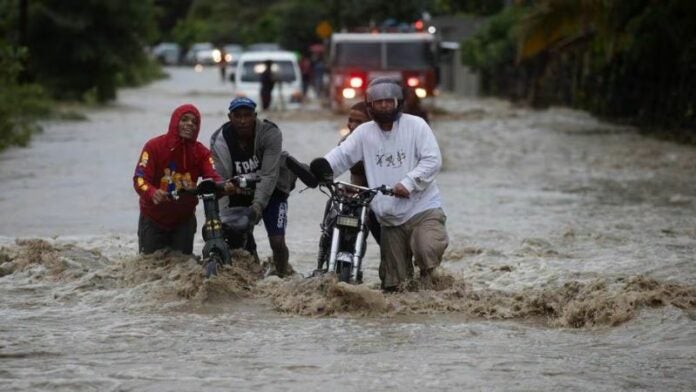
(408, 154)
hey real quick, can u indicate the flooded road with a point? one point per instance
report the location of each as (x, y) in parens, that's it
(571, 265)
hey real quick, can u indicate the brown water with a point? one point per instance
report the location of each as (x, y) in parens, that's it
(571, 265)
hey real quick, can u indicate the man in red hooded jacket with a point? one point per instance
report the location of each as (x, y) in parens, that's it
(171, 161)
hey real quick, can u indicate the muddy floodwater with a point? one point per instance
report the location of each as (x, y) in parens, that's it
(571, 264)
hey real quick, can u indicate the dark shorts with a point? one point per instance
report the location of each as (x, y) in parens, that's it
(152, 237)
(275, 216)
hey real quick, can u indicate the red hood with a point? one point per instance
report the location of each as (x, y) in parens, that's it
(173, 133)
(173, 138)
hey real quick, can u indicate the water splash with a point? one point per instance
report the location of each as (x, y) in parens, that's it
(601, 302)
(170, 279)
(160, 279)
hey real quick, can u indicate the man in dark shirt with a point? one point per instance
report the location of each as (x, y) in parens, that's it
(246, 145)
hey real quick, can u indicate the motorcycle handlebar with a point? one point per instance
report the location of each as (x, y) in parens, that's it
(176, 193)
(245, 180)
(208, 186)
(205, 186)
(384, 189)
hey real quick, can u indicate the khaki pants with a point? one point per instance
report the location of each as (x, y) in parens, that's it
(422, 238)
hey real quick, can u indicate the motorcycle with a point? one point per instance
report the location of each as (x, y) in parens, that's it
(238, 222)
(342, 243)
(344, 229)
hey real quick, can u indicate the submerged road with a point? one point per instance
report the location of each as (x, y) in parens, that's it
(572, 252)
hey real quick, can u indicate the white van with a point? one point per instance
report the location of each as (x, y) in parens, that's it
(287, 91)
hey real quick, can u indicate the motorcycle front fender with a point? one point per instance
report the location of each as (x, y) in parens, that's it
(217, 245)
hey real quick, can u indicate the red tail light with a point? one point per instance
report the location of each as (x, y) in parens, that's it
(412, 82)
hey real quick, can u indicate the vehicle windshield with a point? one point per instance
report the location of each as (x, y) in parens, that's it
(358, 54)
(263, 46)
(412, 55)
(283, 71)
(399, 55)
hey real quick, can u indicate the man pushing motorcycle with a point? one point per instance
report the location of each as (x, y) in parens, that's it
(170, 162)
(244, 145)
(401, 151)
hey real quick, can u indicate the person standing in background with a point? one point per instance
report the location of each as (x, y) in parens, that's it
(267, 83)
(223, 65)
(306, 71)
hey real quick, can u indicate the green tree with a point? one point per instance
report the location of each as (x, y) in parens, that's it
(297, 23)
(83, 47)
(20, 103)
(240, 21)
(632, 59)
(167, 14)
(291, 23)
(492, 51)
(478, 7)
(628, 60)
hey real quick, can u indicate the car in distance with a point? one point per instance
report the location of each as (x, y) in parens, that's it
(288, 86)
(168, 53)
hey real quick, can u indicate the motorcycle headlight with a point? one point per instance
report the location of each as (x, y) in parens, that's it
(347, 221)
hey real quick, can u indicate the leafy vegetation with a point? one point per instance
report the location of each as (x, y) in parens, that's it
(627, 60)
(630, 61)
(292, 23)
(68, 50)
(19, 103)
(93, 45)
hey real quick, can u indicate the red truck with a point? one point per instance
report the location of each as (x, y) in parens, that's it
(357, 58)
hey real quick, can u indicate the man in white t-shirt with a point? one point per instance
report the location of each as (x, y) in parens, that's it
(399, 150)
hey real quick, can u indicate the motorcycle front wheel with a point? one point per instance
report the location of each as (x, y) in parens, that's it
(344, 271)
(211, 265)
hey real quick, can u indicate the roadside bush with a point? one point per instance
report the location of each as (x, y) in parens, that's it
(20, 104)
(492, 52)
(631, 62)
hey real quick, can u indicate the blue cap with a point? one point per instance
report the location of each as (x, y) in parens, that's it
(242, 102)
